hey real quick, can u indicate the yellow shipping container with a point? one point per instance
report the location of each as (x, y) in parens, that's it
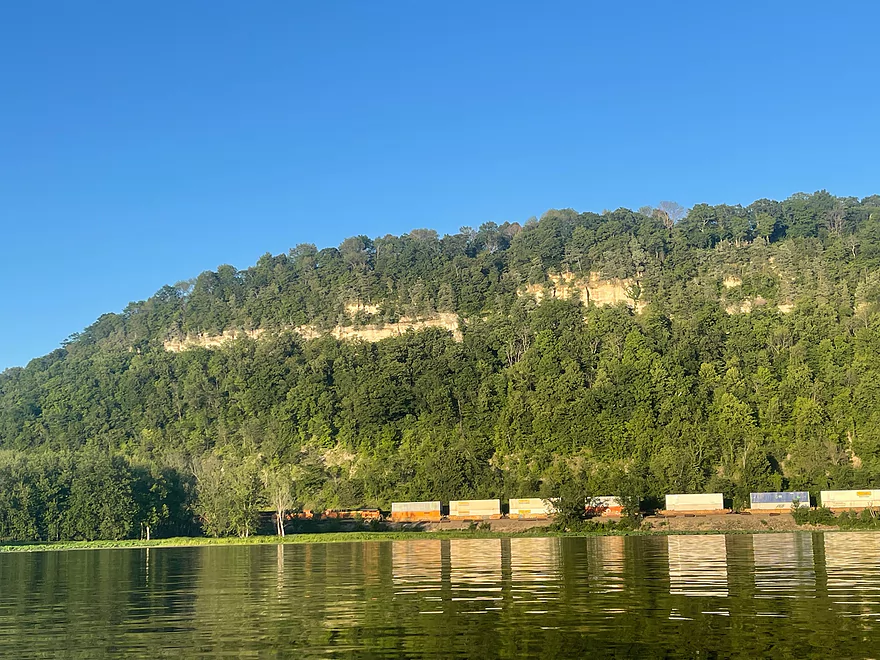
(530, 508)
(475, 509)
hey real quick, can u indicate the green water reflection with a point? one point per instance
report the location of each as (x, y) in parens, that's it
(780, 595)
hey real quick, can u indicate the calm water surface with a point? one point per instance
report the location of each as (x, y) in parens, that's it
(775, 595)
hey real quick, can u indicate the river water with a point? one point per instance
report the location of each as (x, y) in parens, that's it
(796, 595)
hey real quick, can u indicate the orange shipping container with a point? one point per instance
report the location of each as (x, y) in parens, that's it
(607, 505)
(352, 514)
(415, 512)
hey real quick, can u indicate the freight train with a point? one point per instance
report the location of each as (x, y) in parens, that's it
(535, 508)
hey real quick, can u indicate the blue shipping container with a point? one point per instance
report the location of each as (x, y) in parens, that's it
(780, 498)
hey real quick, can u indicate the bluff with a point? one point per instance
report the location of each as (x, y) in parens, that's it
(727, 349)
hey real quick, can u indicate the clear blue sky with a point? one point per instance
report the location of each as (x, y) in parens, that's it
(142, 143)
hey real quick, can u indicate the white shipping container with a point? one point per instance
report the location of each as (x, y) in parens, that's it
(530, 506)
(778, 501)
(608, 501)
(771, 506)
(850, 499)
(401, 507)
(474, 508)
(696, 502)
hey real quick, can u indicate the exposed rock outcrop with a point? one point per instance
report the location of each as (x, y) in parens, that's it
(595, 289)
(179, 344)
(374, 332)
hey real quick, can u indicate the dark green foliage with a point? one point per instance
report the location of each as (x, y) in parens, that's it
(867, 519)
(88, 495)
(112, 435)
(598, 525)
(569, 516)
(818, 516)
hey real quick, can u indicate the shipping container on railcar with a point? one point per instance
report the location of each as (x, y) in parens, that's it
(475, 510)
(844, 500)
(778, 501)
(695, 503)
(606, 505)
(530, 508)
(415, 512)
(353, 514)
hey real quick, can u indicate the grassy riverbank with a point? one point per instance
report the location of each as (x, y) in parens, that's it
(353, 537)
(498, 529)
(292, 539)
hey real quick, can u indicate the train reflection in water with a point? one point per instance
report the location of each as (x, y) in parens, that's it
(534, 560)
(852, 568)
(632, 596)
(475, 571)
(843, 568)
(697, 565)
(534, 573)
(784, 565)
(417, 565)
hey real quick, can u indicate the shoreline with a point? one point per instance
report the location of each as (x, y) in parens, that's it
(358, 537)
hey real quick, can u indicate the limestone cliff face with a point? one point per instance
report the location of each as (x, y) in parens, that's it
(591, 289)
(594, 289)
(358, 307)
(374, 332)
(610, 291)
(747, 305)
(209, 341)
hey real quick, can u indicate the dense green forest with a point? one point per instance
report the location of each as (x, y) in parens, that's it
(746, 356)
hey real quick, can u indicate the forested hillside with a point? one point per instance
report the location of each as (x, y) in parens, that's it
(743, 353)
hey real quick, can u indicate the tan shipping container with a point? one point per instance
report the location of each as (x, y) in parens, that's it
(695, 502)
(475, 509)
(530, 508)
(850, 499)
(415, 512)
